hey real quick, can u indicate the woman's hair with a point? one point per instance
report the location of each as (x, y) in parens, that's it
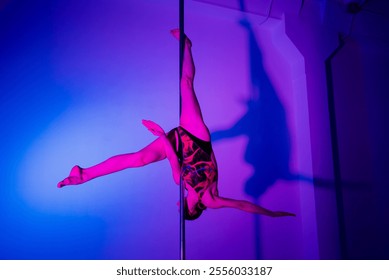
(197, 211)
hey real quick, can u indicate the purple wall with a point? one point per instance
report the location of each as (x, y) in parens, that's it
(78, 77)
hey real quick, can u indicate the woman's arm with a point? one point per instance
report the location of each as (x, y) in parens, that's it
(170, 154)
(220, 202)
(173, 160)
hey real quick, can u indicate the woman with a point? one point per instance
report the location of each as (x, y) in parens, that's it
(188, 149)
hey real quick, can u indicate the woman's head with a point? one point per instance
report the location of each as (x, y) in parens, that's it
(195, 213)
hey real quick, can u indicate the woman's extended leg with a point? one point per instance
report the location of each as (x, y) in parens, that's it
(151, 153)
(191, 118)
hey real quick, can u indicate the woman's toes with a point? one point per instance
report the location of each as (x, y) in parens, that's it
(175, 33)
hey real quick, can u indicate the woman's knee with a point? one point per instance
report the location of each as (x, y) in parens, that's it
(186, 83)
(152, 153)
(145, 158)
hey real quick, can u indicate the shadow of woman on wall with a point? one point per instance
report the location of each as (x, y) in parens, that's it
(265, 125)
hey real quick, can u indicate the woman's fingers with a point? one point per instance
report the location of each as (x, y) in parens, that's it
(153, 127)
(148, 124)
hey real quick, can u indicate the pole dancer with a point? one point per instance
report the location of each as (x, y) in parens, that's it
(195, 162)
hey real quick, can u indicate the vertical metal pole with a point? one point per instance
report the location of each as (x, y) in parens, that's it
(182, 188)
(335, 153)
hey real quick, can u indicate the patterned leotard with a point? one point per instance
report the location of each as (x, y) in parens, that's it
(198, 169)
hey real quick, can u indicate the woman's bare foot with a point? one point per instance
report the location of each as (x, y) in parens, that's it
(176, 34)
(75, 177)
